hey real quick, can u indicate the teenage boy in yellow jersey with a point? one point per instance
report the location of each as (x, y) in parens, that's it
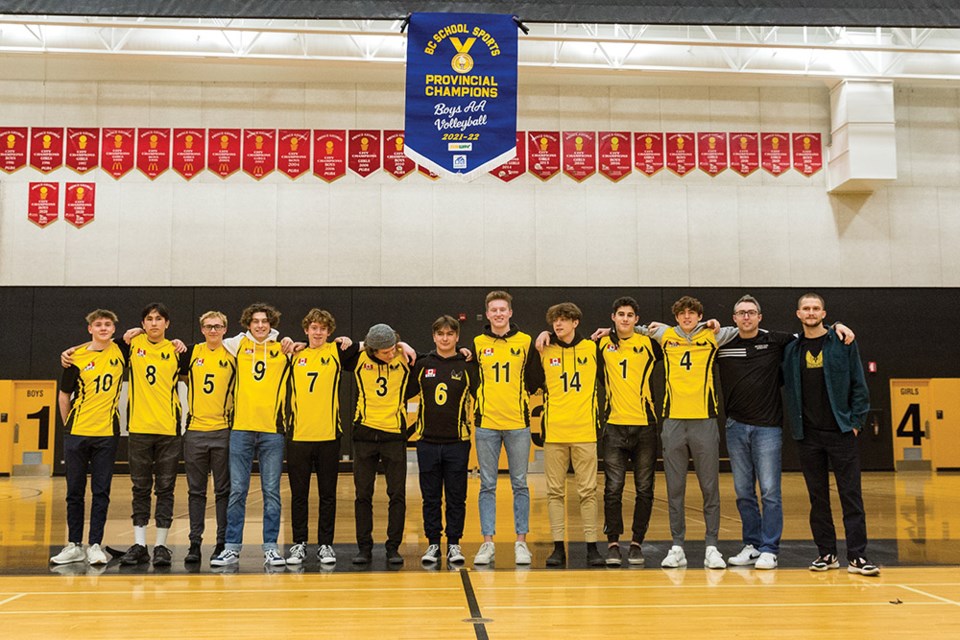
(570, 374)
(259, 420)
(315, 431)
(505, 356)
(630, 434)
(380, 435)
(91, 434)
(210, 372)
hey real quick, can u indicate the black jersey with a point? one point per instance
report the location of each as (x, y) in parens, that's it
(446, 387)
(750, 378)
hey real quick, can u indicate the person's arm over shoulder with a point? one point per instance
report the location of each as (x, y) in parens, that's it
(655, 333)
(184, 361)
(124, 348)
(859, 393)
(726, 334)
(413, 383)
(232, 345)
(349, 357)
(656, 349)
(601, 380)
(533, 369)
(473, 372)
(68, 384)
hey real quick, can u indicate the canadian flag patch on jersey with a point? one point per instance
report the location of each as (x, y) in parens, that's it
(141, 353)
(89, 367)
(198, 363)
(248, 352)
(488, 351)
(554, 362)
(302, 362)
(611, 347)
(368, 367)
(430, 373)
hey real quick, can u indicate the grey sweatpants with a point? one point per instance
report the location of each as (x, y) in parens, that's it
(700, 440)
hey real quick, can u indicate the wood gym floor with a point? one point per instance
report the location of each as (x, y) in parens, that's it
(912, 518)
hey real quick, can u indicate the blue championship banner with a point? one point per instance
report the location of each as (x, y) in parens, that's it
(461, 115)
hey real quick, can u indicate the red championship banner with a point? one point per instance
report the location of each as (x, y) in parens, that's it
(83, 149)
(681, 155)
(363, 152)
(744, 153)
(78, 203)
(116, 151)
(293, 152)
(615, 154)
(648, 152)
(516, 166)
(712, 153)
(807, 153)
(394, 161)
(223, 151)
(543, 153)
(259, 152)
(46, 149)
(426, 172)
(189, 152)
(579, 154)
(153, 151)
(329, 154)
(774, 152)
(13, 148)
(43, 203)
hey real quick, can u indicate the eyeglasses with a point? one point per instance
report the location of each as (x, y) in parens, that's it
(748, 313)
(213, 327)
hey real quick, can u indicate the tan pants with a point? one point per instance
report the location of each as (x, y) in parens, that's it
(557, 457)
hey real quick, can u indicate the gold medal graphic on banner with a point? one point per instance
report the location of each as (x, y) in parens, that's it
(462, 62)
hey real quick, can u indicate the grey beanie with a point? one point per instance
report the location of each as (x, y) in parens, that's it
(380, 336)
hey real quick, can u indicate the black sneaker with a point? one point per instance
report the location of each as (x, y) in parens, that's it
(594, 559)
(559, 556)
(161, 556)
(825, 563)
(635, 557)
(137, 554)
(193, 555)
(394, 557)
(364, 556)
(614, 558)
(863, 566)
(217, 550)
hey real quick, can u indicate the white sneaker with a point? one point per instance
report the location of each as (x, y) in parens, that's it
(454, 553)
(431, 555)
(521, 553)
(95, 555)
(748, 555)
(712, 559)
(675, 559)
(296, 554)
(226, 558)
(485, 554)
(765, 561)
(273, 558)
(326, 554)
(73, 552)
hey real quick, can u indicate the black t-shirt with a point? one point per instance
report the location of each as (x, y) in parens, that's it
(817, 413)
(445, 384)
(750, 378)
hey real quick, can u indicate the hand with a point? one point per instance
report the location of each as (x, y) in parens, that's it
(600, 333)
(466, 353)
(130, 334)
(713, 324)
(856, 432)
(653, 326)
(286, 345)
(844, 333)
(543, 340)
(344, 342)
(66, 358)
(408, 352)
(299, 346)
(178, 345)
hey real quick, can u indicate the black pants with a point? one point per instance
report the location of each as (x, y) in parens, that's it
(443, 470)
(153, 466)
(206, 452)
(366, 456)
(623, 445)
(818, 451)
(303, 460)
(93, 455)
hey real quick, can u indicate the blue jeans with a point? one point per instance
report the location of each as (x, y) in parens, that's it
(517, 444)
(268, 448)
(755, 458)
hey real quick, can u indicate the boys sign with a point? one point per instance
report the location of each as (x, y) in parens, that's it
(461, 112)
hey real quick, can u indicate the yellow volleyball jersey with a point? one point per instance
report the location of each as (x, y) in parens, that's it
(210, 375)
(153, 404)
(262, 385)
(689, 370)
(381, 389)
(627, 365)
(316, 394)
(570, 406)
(502, 400)
(94, 379)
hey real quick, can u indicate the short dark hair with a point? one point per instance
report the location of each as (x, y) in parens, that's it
(273, 316)
(159, 307)
(687, 302)
(747, 298)
(566, 310)
(498, 295)
(626, 301)
(446, 322)
(97, 314)
(816, 296)
(320, 316)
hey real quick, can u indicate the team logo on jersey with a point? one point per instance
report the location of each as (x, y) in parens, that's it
(248, 352)
(637, 350)
(515, 352)
(274, 354)
(164, 356)
(368, 367)
(141, 353)
(324, 361)
(456, 375)
(198, 363)
(488, 351)
(430, 373)
(581, 360)
(302, 362)
(114, 362)
(702, 344)
(394, 367)
(758, 347)
(90, 367)
(224, 364)
(554, 362)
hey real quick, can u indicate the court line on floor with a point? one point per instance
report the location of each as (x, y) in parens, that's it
(12, 598)
(236, 591)
(153, 611)
(479, 622)
(705, 605)
(929, 595)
